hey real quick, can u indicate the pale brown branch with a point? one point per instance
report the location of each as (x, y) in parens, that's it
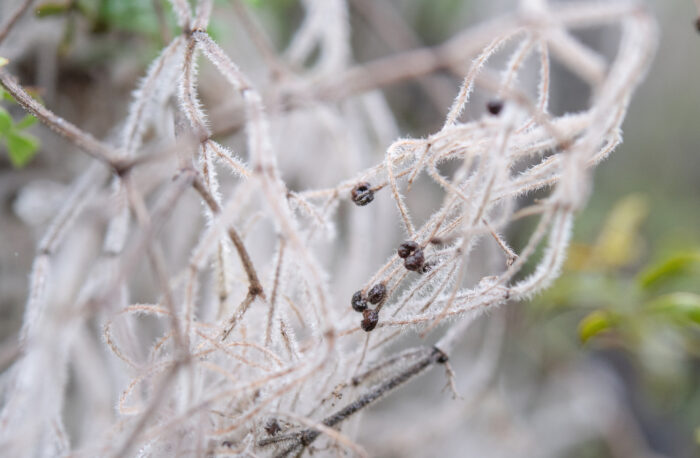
(255, 287)
(80, 138)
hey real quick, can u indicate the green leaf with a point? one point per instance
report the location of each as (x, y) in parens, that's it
(3, 61)
(5, 121)
(25, 122)
(670, 268)
(21, 148)
(51, 9)
(681, 306)
(593, 324)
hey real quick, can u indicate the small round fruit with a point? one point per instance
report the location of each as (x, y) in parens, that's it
(362, 194)
(358, 302)
(377, 293)
(370, 318)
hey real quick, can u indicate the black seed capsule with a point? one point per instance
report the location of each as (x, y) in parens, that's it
(406, 248)
(358, 302)
(370, 318)
(495, 106)
(415, 260)
(362, 194)
(377, 293)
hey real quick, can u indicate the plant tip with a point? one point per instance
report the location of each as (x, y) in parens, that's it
(442, 357)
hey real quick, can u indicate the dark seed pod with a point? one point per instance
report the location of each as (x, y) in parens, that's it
(406, 248)
(272, 427)
(362, 194)
(494, 107)
(358, 302)
(370, 318)
(414, 261)
(377, 293)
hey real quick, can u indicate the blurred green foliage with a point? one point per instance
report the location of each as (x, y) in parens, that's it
(151, 21)
(21, 146)
(624, 292)
(628, 298)
(138, 18)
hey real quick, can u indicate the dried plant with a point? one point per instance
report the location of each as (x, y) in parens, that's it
(251, 342)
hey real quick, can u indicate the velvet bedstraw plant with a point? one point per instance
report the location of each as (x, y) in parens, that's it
(273, 332)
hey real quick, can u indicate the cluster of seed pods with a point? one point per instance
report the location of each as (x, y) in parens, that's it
(410, 251)
(375, 296)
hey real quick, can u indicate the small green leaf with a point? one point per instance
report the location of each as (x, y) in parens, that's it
(672, 267)
(5, 121)
(681, 306)
(593, 324)
(25, 122)
(52, 8)
(21, 148)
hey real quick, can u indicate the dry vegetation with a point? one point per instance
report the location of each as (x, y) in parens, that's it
(258, 256)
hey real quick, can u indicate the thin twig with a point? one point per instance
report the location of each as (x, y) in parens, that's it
(14, 17)
(81, 139)
(303, 439)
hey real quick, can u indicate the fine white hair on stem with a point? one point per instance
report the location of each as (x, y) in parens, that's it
(183, 10)
(226, 309)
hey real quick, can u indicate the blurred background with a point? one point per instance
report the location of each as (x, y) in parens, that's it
(622, 324)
